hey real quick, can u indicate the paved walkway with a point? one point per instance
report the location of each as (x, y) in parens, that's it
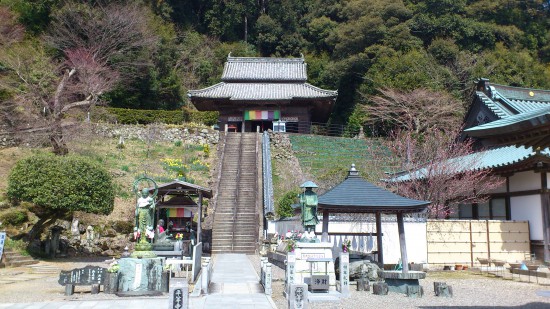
(234, 285)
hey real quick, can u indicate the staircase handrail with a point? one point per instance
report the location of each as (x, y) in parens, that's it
(267, 176)
(238, 181)
(220, 168)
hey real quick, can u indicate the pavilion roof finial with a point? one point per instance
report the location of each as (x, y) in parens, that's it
(352, 171)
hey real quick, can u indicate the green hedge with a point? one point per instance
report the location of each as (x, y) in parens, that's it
(140, 116)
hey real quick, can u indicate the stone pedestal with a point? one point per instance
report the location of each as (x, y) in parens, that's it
(305, 251)
(399, 282)
(140, 274)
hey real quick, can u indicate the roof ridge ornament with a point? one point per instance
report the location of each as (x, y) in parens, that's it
(352, 171)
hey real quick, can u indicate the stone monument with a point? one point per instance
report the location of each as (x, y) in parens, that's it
(311, 259)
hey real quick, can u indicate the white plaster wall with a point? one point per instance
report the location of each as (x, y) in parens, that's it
(415, 237)
(528, 208)
(524, 181)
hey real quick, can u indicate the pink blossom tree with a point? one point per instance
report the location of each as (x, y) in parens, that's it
(439, 168)
(90, 45)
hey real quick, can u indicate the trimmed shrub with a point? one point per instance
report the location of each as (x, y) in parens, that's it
(284, 208)
(142, 116)
(61, 185)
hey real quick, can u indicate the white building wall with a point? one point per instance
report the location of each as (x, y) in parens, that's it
(528, 208)
(524, 181)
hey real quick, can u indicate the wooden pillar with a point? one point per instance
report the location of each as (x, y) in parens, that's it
(545, 204)
(199, 228)
(402, 244)
(324, 236)
(379, 238)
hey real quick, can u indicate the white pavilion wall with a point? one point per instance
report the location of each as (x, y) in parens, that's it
(415, 237)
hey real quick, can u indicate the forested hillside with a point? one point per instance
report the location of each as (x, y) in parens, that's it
(147, 54)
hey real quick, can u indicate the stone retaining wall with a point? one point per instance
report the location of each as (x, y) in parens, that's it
(169, 133)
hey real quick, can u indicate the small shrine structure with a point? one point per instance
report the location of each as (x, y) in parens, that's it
(178, 202)
(356, 195)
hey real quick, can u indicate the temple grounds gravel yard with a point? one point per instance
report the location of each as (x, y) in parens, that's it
(471, 289)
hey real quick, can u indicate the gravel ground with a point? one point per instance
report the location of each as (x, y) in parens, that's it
(470, 289)
(46, 288)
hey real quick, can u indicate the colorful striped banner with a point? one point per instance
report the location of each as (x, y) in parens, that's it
(179, 213)
(262, 115)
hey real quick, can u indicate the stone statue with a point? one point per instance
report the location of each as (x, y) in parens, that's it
(145, 212)
(308, 204)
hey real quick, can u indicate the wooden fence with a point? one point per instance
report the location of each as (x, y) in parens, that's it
(453, 242)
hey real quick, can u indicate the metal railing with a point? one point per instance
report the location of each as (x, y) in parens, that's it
(319, 128)
(269, 209)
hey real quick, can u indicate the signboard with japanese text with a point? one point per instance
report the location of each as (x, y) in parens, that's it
(319, 282)
(83, 276)
(2, 241)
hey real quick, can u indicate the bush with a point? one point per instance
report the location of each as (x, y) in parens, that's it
(14, 217)
(123, 227)
(284, 208)
(61, 185)
(208, 118)
(142, 116)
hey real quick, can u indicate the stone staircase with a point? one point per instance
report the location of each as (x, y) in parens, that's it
(14, 259)
(236, 221)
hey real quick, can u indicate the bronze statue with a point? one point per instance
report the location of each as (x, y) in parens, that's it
(308, 204)
(145, 211)
(145, 214)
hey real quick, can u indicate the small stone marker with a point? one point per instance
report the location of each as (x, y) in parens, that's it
(290, 270)
(298, 296)
(89, 275)
(179, 294)
(204, 278)
(267, 287)
(415, 291)
(111, 283)
(344, 274)
(441, 289)
(363, 284)
(380, 288)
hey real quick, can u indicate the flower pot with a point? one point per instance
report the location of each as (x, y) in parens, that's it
(458, 267)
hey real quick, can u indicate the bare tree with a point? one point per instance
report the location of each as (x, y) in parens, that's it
(93, 45)
(416, 110)
(10, 30)
(440, 169)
